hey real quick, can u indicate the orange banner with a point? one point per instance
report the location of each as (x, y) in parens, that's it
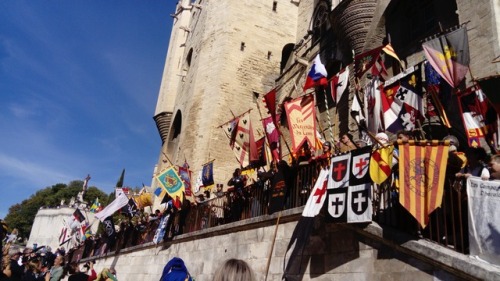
(301, 115)
(422, 169)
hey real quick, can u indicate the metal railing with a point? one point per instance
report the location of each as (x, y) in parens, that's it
(447, 226)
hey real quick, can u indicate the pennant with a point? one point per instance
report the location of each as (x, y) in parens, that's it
(252, 147)
(339, 171)
(242, 141)
(114, 206)
(360, 163)
(434, 105)
(77, 214)
(373, 106)
(172, 183)
(185, 175)
(208, 174)
(301, 115)
(365, 61)
(339, 83)
(317, 75)
(230, 129)
(449, 55)
(388, 49)
(381, 163)
(391, 108)
(422, 170)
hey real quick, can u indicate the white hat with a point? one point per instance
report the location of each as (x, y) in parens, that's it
(382, 137)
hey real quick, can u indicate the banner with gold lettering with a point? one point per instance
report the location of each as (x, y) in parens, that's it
(422, 169)
(301, 115)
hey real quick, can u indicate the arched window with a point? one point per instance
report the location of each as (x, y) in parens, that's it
(319, 23)
(285, 55)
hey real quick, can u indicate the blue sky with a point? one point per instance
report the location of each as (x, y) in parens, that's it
(79, 82)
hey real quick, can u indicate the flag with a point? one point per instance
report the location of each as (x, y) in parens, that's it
(242, 140)
(378, 69)
(357, 112)
(360, 163)
(339, 171)
(185, 175)
(77, 214)
(365, 61)
(119, 183)
(404, 95)
(422, 170)
(449, 55)
(96, 206)
(301, 115)
(318, 195)
(252, 146)
(300, 236)
(391, 108)
(273, 136)
(471, 111)
(143, 200)
(434, 105)
(270, 101)
(130, 209)
(317, 75)
(338, 84)
(373, 106)
(199, 181)
(351, 204)
(114, 206)
(261, 152)
(483, 198)
(208, 174)
(109, 229)
(381, 163)
(388, 49)
(172, 183)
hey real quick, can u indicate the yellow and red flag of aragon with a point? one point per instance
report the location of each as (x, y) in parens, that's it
(381, 163)
(422, 169)
(172, 183)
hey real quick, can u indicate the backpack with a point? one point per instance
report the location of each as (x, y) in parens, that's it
(175, 270)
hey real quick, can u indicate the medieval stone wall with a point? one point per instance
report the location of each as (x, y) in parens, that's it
(236, 50)
(333, 252)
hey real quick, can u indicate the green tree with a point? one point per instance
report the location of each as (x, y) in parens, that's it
(22, 215)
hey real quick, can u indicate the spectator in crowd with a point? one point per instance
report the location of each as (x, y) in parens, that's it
(107, 274)
(57, 270)
(495, 167)
(234, 270)
(77, 275)
(476, 164)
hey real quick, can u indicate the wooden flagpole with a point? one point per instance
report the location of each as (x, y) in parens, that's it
(272, 245)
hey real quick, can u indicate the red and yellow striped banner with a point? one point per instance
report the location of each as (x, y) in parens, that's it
(422, 169)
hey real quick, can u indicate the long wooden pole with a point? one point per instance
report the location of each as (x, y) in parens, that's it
(272, 245)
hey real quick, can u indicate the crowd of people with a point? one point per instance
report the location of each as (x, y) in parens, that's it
(43, 264)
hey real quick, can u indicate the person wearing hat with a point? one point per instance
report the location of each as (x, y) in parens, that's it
(324, 159)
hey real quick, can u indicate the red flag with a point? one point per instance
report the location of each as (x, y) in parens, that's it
(338, 84)
(270, 100)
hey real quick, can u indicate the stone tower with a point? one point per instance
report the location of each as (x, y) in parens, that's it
(220, 53)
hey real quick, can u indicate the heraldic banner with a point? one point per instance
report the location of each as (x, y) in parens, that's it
(172, 183)
(484, 226)
(301, 115)
(422, 169)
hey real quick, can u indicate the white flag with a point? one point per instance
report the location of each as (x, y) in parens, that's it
(116, 205)
(318, 195)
